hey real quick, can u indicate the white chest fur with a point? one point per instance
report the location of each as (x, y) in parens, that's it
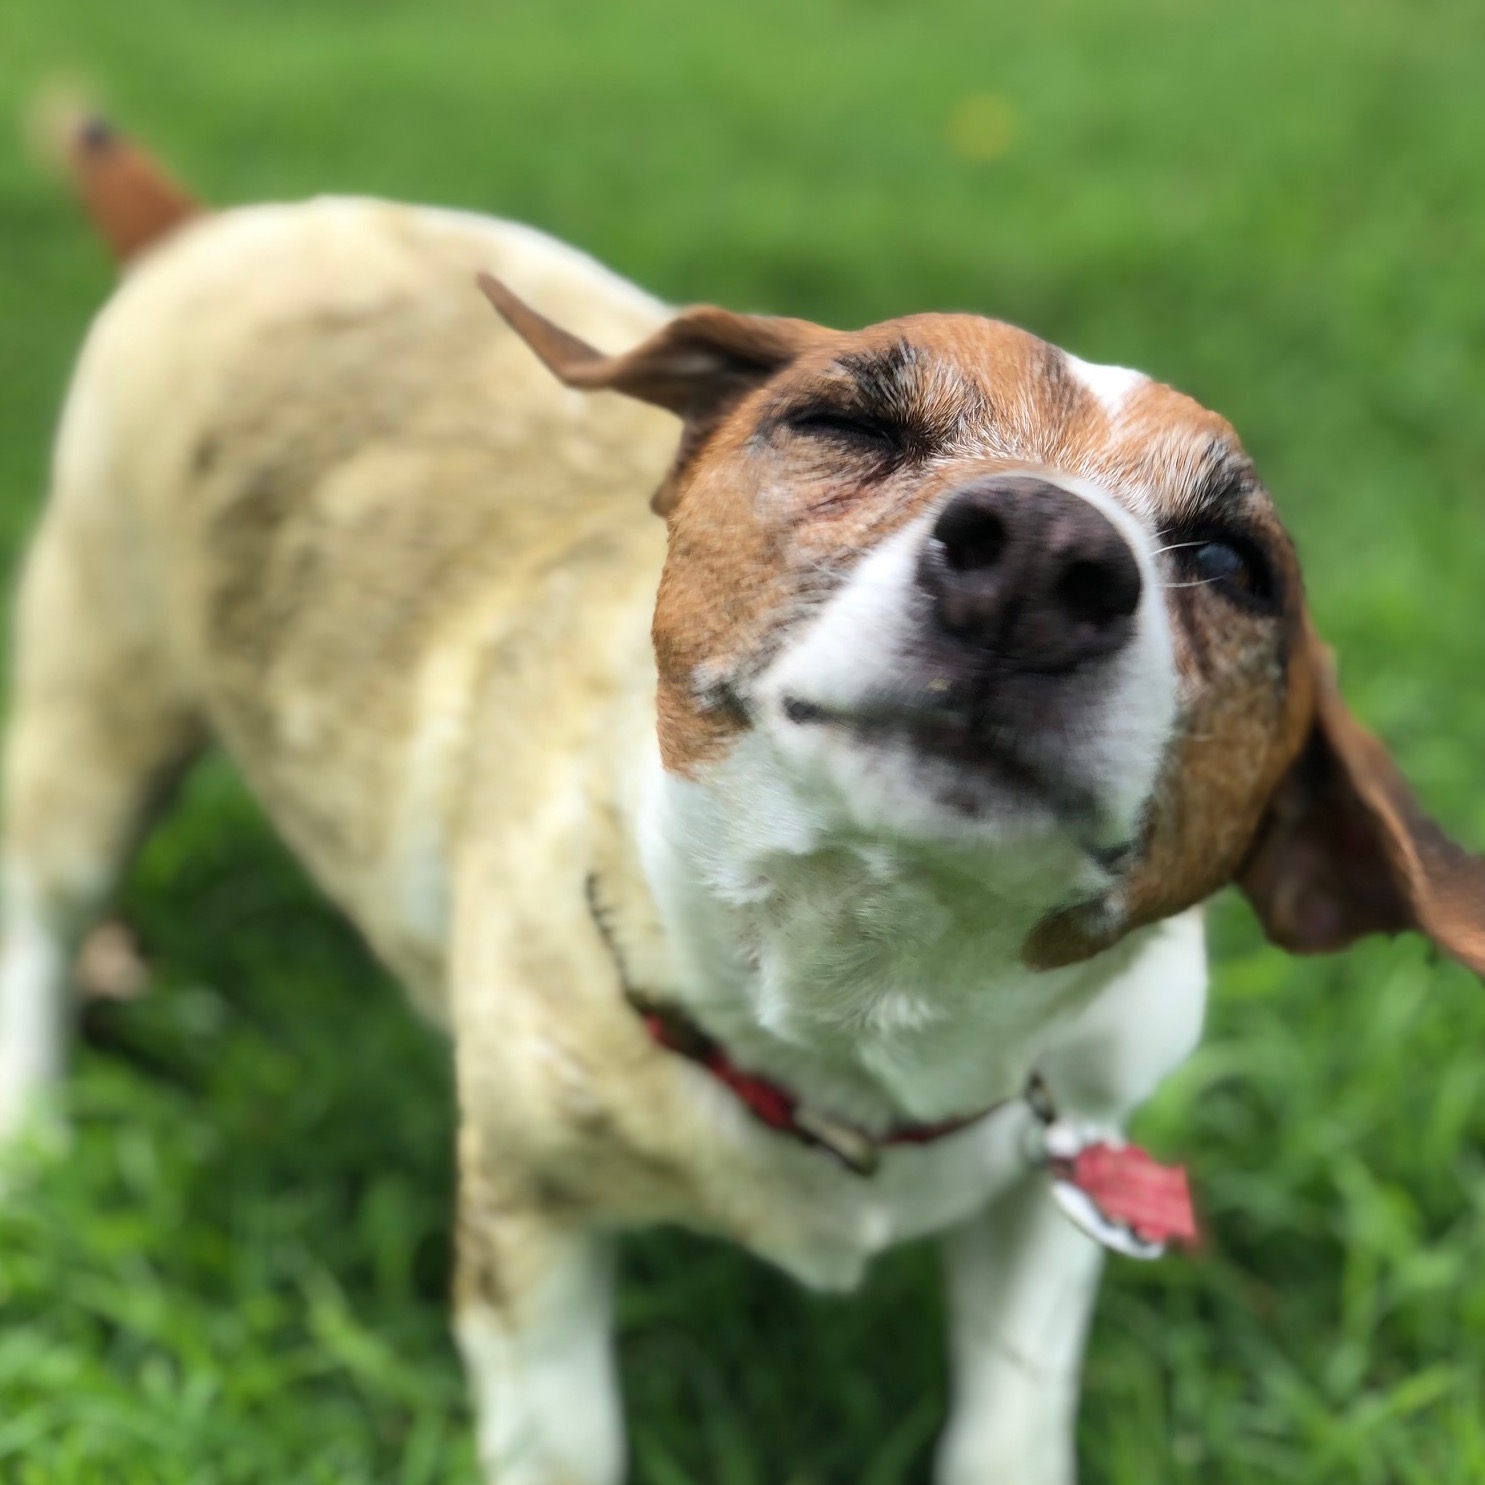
(884, 983)
(1101, 1058)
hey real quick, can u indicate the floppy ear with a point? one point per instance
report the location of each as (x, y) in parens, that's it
(698, 366)
(1345, 849)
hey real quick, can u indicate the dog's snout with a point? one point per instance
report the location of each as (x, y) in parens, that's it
(1031, 573)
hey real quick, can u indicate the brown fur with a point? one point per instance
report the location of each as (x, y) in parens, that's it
(346, 526)
(1346, 849)
(762, 530)
(129, 196)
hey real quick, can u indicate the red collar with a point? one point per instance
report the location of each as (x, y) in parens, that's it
(774, 1107)
(777, 1108)
(1116, 1193)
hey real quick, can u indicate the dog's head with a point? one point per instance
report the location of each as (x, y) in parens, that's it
(968, 589)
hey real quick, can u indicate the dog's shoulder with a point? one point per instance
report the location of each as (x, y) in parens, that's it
(344, 486)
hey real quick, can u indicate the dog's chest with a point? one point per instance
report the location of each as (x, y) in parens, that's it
(879, 989)
(824, 1225)
(1096, 1060)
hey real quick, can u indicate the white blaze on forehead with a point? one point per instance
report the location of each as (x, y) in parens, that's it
(1111, 385)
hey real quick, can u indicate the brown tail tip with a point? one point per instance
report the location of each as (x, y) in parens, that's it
(130, 198)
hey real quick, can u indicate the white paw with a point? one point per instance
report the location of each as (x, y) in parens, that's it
(1003, 1464)
(1026, 1438)
(33, 1031)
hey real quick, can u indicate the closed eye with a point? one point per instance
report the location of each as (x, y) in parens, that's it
(858, 430)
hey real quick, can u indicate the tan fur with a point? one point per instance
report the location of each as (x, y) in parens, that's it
(339, 517)
(313, 501)
(1004, 400)
(404, 580)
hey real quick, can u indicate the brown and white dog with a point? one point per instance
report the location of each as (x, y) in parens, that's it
(973, 670)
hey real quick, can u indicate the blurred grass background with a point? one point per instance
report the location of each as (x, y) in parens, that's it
(238, 1271)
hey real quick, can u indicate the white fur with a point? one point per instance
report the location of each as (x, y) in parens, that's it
(1111, 385)
(845, 933)
(33, 1006)
(545, 1395)
(857, 650)
(836, 922)
(881, 978)
(1021, 1281)
(843, 929)
(1104, 1036)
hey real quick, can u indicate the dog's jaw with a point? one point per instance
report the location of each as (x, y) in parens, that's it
(849, 906)
(880, 978)
(1085, 773)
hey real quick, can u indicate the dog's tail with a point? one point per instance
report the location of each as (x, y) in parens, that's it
(130, 198)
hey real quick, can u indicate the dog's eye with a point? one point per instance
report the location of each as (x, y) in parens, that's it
(1221, 562)
(1231, 564)
(859, 430)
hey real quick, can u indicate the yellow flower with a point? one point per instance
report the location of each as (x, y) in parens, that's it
(982, 127)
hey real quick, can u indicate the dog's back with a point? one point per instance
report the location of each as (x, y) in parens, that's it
(304, 491)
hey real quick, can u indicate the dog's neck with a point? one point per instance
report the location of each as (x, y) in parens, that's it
(880, 981)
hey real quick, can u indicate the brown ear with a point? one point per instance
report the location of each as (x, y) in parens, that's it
(1345, 849)
(698, 366)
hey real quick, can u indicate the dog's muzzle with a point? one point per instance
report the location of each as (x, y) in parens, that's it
(1012, 658)
(1025, 577)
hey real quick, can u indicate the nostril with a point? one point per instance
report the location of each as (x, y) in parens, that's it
(982, 551)
(971, 536)
(1099, 592)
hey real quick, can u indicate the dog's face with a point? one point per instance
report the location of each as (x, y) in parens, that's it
(981, 591)
(961, 587)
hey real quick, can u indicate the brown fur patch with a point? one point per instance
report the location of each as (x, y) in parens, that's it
(803, 448)
(131, 199)
(767, 526)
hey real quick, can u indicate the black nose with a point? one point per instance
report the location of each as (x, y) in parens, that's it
(1030, 573)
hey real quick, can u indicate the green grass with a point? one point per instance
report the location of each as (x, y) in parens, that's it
(237, 1272)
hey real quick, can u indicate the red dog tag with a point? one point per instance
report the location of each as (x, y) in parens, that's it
(1123, 1198)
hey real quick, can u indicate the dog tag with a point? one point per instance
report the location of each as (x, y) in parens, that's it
(1119, 1195)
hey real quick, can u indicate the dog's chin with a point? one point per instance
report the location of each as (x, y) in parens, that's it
(935, 777)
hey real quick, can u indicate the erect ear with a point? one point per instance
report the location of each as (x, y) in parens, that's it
(1345, 849)
(697, 366)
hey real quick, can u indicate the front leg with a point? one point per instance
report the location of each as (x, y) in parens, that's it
(533, 1319)
(1021, 1282)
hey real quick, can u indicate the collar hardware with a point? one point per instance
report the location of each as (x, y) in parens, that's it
(1115, 1193)
(772, 1106)
(778, 1109)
